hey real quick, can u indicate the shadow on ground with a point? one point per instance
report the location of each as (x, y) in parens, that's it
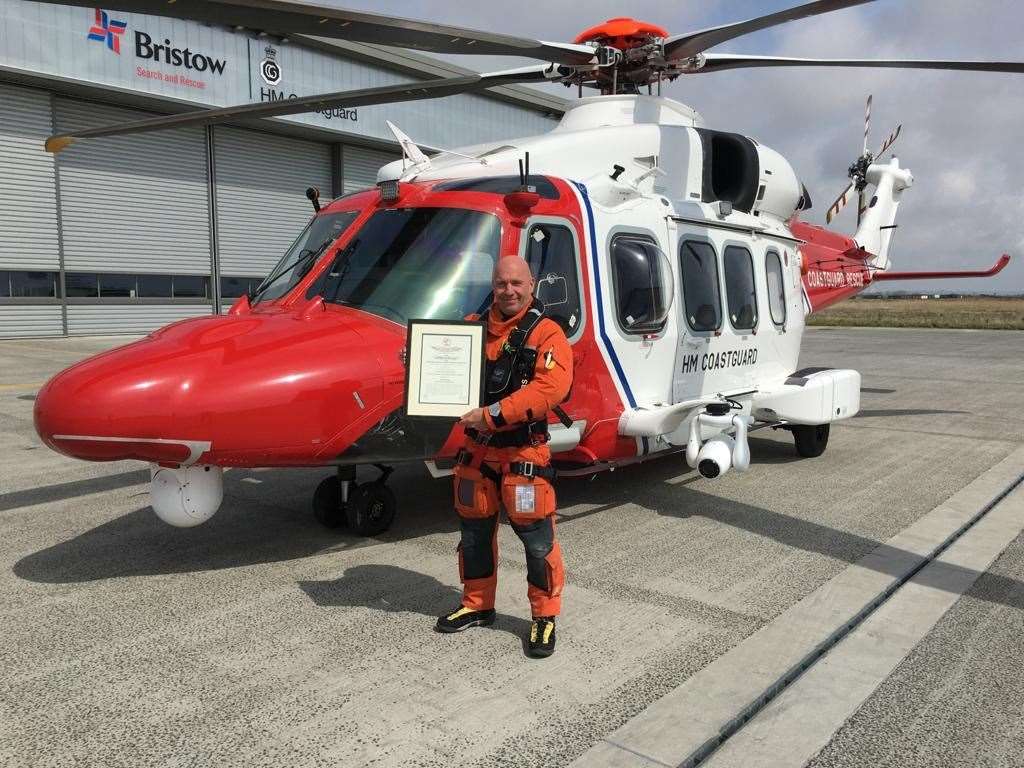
(264, 523)
(261, 526)
(70, 490)
(392, 589)
(870, 414)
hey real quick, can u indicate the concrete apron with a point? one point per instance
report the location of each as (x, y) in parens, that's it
(687, 725)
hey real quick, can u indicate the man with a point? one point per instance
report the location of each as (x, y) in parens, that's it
(505, 461)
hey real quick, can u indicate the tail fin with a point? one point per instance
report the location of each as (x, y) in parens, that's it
(878, 224)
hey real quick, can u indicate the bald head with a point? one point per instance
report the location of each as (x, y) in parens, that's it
(512, 283)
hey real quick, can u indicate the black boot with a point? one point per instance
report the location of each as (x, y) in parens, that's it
(464, 618)
(542, 636)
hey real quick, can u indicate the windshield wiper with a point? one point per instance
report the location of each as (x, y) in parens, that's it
(307, 255)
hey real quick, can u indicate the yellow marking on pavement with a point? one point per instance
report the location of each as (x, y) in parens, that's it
(34, 385)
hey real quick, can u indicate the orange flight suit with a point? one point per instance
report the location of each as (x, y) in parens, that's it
(530, 511)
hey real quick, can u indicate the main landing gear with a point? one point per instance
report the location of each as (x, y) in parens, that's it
(367, 509)
(811, 440)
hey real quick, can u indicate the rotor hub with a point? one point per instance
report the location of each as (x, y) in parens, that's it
(630, 55)
(622, 33)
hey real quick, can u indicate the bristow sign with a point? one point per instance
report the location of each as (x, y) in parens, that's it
(109, 30)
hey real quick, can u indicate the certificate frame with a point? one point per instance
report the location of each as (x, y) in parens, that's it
(440, 388)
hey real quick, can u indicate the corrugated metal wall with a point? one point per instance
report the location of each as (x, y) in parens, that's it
(132, 203)
(104, 319)
(25, 321)
(261, 182)
(359, 167)
(28, 206)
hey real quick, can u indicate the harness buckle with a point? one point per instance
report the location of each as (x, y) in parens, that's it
(478, 436)
(527, 469)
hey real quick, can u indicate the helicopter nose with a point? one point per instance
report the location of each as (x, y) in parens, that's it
(114, 406)
(229, 390)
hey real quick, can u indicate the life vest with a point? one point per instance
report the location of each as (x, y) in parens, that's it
(514, 367)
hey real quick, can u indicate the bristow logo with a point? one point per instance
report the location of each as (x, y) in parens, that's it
(106, 28)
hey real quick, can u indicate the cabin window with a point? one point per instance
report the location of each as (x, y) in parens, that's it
(776, 288)
(315, 239)
(739, 288)
(417, 263)
(643, 284)
(701, 296)
(551, 254)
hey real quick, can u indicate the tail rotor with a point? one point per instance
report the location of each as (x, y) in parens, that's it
(858, 171)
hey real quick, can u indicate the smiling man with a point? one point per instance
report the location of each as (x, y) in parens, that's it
(505, 460)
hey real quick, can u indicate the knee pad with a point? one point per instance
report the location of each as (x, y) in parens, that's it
(476, 550)
(538, 539)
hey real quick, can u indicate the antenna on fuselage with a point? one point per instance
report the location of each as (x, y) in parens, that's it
(524, 175)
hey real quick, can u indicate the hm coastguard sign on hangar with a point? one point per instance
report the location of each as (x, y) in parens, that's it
(218, 66)
(271, 73)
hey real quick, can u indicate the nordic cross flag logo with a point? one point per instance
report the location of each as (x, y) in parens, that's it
(109, 30)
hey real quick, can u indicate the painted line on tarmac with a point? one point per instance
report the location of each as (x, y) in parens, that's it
(687, 725)
(10, 387)
(802, 720)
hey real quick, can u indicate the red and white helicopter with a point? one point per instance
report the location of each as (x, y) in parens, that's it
(673, 255)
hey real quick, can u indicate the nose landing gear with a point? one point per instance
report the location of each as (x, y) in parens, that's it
(367, 509)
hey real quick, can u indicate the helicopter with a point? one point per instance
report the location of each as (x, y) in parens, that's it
(674, 256)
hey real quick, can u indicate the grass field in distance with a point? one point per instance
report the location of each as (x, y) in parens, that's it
(983, 312)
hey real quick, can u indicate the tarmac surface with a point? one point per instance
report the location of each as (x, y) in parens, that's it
(261, 638)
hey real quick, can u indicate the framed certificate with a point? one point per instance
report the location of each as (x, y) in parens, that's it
(444, 374)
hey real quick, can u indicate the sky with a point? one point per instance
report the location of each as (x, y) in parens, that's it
(961, 130)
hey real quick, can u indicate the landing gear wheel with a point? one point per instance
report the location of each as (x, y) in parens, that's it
(328, 508)
(810, 440)
(371, 508)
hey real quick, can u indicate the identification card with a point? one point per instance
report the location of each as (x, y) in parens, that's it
(525, 498)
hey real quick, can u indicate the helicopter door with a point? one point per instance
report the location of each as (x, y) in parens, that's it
(551, 250)
(701, 316)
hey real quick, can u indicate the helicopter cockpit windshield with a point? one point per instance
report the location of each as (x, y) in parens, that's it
(300, 258)
(423, 263)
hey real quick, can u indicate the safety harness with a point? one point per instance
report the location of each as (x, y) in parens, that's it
(512, 370)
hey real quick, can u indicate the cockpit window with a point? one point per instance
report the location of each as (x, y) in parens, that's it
(500, 185)
(417, 263)
(300, 258)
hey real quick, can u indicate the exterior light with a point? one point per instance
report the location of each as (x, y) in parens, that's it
(389, 190)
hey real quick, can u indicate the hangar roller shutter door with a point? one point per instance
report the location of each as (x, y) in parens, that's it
(28, 206)
(30, 320)
(115, 319)
(359, 166)
(133, 203)
(261, 183)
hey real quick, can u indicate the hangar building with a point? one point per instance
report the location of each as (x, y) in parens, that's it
(125, 234)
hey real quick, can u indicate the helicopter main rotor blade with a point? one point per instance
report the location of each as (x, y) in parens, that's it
(715, 62)
(389, 94)
(298, 17)
(692, 43)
